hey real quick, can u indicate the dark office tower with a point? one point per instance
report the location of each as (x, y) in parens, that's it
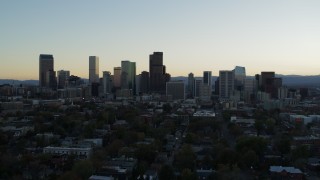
(45, 65)
(226, 84)
(144, 82)
(157, 73)
(207, 78)
(258, 79)
(95, 89)
(197, 84)
(75, 81)
(167, 77)
(128, 75)
(216, 87)
(51, 80)
(106, 82)
(63, 77)
(117, 77)
(270, 84)
(190, 85)
(93, 69)
(176, 90)
(266, 80)
(239, 77)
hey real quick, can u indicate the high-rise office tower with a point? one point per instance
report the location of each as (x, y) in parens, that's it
(239, 77)
(226, 83)
(190, 84)
(128, 75)
(270, 84)
(93, 69)
(45, 70)
(144, 82)
(106, 82)
(117, 77)
(266, 79)
(197, 84)
(63, 77)
(176, 90)
(157, 72)
(207, 78)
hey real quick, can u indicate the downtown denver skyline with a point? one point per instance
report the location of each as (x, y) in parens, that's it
(280, 36)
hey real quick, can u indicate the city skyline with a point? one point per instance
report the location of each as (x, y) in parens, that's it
(261, 36)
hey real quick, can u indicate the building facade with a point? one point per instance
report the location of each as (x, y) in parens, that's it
(175, 90)
(46, 70)
(93, 69)
(128, 75)
(226, 84)
(63, 77)
(157, 72)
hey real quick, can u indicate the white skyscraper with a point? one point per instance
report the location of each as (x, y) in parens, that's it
(93, 69)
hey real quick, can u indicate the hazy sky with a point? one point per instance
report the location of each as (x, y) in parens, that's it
(270, 35)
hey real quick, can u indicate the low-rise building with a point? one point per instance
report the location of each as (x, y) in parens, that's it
(280, 172)
(81, 153)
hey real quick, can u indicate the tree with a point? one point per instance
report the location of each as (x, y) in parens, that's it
(256, 144)
(69, 175)
(185, 158)
(249, 159)
(167, 108)
(270, 124)
(259, 125)
(166, 173)
(114, 147)
(146, 153)
(283, 144)
(301, 152)
(228, 157)
(186, 174)
(83, 168)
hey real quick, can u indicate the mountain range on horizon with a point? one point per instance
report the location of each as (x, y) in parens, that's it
(287, 80)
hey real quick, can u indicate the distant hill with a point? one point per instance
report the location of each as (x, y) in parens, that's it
(18, 82)
(297, 80)
(288, 80)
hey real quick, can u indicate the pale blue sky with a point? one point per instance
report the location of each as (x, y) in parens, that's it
(270, 35)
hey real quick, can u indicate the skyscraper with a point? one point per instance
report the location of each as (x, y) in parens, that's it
(190, 84)
(226, 83)
(46, 70)
(63, 77)
(106, 82)
(176, 90)
(144, 82)
(117, 77)
(207, 78)
(239, 77)
(197, 84)
(128, 75)
(157, 72)
(93, 69)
